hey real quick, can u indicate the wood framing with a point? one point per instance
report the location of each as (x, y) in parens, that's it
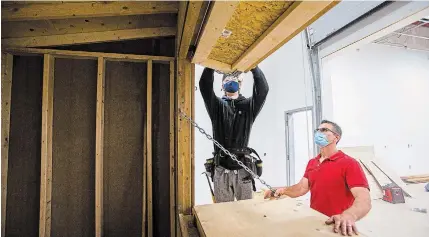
(88, 55)
(219, 15)
(172, 156)
(149, 149)
(89, 37)
(6, 91)
(61, 10)
(191, 21)
(181, 16)
(46, 151)
(294, 20)
(99, 148)
(255, 32)
(184, 139)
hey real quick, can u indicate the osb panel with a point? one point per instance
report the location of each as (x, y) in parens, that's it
(73, 148)
(124, 111)
(248, 22)
(23, 188)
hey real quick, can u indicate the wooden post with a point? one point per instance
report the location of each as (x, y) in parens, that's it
(46, 151)
(99, 148)
(6, 91)
(184, 139)
(149, 149)
(172, 160)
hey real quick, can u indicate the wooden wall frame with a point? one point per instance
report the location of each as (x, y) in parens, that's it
(47, 122)
(6, 86)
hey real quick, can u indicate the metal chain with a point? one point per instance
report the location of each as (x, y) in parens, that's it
(226, 151)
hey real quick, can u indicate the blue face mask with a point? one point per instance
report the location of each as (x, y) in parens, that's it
(320, 139)
(231, 86)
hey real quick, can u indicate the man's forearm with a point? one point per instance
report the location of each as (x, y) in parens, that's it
(360, 208)
(293, 191)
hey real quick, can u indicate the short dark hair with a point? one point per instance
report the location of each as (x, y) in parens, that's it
(337, 128)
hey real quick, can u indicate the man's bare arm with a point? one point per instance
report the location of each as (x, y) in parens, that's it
(361, 204)
(293, 191)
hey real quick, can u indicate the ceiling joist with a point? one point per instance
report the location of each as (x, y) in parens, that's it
(91, 37)
(61, 10)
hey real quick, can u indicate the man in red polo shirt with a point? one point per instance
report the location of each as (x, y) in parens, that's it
(337, 183)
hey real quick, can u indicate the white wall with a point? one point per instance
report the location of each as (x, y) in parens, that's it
(288, 76)
(379, 95)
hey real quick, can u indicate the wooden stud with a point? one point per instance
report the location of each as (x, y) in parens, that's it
(89, 37)
(298, 16)
(6, 92)
(99, 148)
(62, 10)
(219, 15)
(88, 55)
(192, 16)
(172, 157)
(144, 199)
(46, 151)
(192, 194)
(149, 150)
(184, 175)
(181, 16)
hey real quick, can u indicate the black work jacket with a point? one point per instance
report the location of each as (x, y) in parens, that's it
(232, 119)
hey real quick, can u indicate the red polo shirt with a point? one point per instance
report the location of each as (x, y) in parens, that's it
(330, 182)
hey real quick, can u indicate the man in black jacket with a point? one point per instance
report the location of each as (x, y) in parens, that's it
(232, 118)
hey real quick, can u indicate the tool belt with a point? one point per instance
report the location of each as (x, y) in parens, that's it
(243, 154)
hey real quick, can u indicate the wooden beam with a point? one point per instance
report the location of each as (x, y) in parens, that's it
(6, 93)
(88, 55)
(296, 18)
(99, 148)
(184, 139)
(191, 21)
(18, 29)
(219, 15)
(89, 37)
(149, 149)
(172, 156)
(181, 16)
(46, 151)
(192, 194)
(62, 10)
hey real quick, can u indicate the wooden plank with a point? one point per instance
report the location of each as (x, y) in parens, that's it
(181, 16)
(379, 176)
(6, 92)
(198, 224)
(184, 139)
(393, 176)
(192, 194)
(192, 16)
(88, 55)
(149, 149)
(88, 37)
(46, 151)
(183, 225)
(257, 217)
(172, 156)
(211, 63)
(296, 18)
(17, 29)
(99, 148)
(62, 10)
(219, 15)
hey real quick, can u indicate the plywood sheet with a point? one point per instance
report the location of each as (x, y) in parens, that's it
(283, 217)
(73, 147)
(249, 21)
(23, 193)
(123, 148)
